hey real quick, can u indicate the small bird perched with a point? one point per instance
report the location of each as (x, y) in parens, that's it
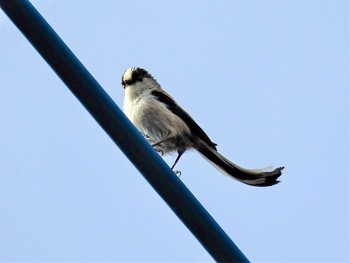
(169, 128)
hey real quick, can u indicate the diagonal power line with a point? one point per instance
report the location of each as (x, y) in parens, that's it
(87, 90)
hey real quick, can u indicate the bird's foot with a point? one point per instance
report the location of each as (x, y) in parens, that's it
(160, 152)
(178, 173)
(149, 139)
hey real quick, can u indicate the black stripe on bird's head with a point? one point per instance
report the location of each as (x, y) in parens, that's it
(133, 75)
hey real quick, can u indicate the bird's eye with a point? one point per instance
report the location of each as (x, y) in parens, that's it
(123, 82)
(140, 79)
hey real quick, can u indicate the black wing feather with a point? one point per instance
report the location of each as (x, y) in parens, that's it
(177, 110)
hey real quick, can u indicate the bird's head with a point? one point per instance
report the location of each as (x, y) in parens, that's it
(137, 77)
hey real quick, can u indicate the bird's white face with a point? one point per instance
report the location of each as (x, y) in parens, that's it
(127, 76)
(133, 76)
(137, 81)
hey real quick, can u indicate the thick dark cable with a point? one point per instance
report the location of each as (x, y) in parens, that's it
(122, 132)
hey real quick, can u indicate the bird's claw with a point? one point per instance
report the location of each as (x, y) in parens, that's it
(149, 139)
(178, 173)
(152, 142)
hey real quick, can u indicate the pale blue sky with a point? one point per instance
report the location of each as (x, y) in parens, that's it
(267, 80)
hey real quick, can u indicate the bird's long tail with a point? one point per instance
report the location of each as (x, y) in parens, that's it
(254, 177)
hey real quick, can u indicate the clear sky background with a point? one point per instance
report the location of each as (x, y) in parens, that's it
(267, 80)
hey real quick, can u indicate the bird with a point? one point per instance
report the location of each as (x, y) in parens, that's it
(169, 128)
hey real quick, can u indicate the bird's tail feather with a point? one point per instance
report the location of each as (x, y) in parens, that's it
(255, 177)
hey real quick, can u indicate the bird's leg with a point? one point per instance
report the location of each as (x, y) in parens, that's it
(161, 141)
(177, 172)
(177, 159)
(154, 144)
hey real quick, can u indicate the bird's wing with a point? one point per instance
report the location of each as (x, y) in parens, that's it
(177, 110)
